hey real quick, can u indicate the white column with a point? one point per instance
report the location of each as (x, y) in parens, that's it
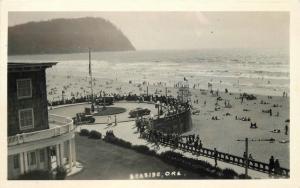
(74, 152)
(22, 162)
(25, 162)
(48, 158)
(62, 153)
(70, 155)
(57, 155)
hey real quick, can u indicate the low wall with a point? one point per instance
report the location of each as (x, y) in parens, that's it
(178, 123)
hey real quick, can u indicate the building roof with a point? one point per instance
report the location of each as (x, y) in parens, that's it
(28, 66)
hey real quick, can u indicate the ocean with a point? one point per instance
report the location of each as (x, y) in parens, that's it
(264, 72)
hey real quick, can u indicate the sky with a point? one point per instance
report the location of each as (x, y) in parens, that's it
(186, 30)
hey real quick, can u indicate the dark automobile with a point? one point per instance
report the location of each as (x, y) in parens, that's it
(82, 118)
(104, 101)
(139, 112)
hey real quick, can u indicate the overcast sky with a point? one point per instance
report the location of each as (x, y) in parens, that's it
(186, 30)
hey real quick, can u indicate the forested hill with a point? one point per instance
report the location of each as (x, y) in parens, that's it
(66, 36)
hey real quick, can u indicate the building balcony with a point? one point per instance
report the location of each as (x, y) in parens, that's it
(58, 126)
(36, 150)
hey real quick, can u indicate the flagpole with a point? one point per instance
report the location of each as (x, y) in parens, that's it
(91, 76)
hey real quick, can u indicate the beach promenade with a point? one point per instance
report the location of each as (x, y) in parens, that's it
(127, 130)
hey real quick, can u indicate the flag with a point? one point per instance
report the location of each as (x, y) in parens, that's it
(90, 66)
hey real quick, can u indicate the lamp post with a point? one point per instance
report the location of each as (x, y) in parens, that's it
(147, 91)
(157, 106)
(246, 159)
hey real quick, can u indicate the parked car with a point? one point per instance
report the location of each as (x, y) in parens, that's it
(105, 101)
(82, 118)
(139, 112)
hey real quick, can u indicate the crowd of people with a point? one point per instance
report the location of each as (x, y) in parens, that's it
(174, 139)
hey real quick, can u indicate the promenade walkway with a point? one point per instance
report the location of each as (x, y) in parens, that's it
(127, 131)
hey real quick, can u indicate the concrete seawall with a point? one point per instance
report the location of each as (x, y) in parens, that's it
(178, 123)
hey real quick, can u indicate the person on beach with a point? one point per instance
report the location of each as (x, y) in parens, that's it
(216, 157)
(271, 164)
(286, 129)
(270, 112)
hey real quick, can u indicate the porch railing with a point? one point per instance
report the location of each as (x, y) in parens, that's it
(64, 125)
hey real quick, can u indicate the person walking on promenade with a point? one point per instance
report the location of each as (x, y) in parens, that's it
(197, 138)
(286, 129)
(250, 157)
(195, 145)
(216, 157)
(200, 145)
(271, 164)
(277, 167)
(156, 144)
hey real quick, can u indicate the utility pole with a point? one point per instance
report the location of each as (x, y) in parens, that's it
(91, 76)
(246, 159)
(147, 91)
(63, 96)
(166, 91)
(158, 111)
(158, 104)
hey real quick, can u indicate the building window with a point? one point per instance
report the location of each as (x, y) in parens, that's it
(26, 119)
(42, 155)
(24, 89)
(16, 161)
